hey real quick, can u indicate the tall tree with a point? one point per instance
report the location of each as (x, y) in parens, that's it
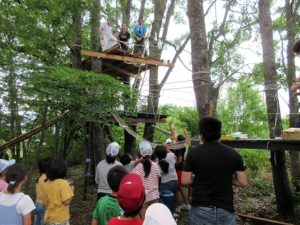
(126, 10)
(283, 192)
(160, 7)
(202, 83)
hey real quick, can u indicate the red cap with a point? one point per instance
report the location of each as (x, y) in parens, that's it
(131, 194)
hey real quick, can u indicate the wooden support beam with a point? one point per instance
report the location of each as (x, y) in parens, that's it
(145, 120)
(119, 70)
(162, 130)
(33, 131)
(125, 58)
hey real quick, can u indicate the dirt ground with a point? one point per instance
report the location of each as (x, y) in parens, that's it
(257, 200)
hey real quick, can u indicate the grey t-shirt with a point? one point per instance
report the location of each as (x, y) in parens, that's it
(101, 175)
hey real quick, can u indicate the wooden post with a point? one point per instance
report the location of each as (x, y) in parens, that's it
(130, 142)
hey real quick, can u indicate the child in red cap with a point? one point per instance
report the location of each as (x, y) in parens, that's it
(131, 197)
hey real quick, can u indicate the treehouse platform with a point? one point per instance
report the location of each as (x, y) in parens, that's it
(122, 64)
(134, 120)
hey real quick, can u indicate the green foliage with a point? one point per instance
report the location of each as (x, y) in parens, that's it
(182, 117)
(90, 95)
(255, 160)
(242, 109)
(279, 23)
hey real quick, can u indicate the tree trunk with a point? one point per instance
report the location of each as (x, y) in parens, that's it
(203, 86)
(13, 108)
(142, 9)
(97, 148)
(126, 9)
(283, 192)
(291, 78)
(77, 30)
(155, 52)
(130, 142)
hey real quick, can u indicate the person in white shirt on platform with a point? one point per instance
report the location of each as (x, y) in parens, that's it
(108, 39)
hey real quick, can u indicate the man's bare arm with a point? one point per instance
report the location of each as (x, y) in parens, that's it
(186, 178)
(240, 179)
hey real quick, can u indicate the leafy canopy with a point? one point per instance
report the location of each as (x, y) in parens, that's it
(92, 96)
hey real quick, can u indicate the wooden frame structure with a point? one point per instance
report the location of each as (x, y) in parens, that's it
(121, 64)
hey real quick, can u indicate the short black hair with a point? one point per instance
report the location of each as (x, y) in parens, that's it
(210, 129)
(114, 177)
(57, 169)
(125, 159)
(14, 175)
(180, 137)
(296, 47)
(43, 164)
(110, 159)
(161, 153)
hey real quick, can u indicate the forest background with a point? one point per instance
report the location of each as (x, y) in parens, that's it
(40, 40)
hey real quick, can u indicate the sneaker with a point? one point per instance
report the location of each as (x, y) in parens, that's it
(185, 207)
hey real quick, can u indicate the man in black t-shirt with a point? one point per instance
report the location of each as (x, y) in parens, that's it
(124, 37)
(216, 168)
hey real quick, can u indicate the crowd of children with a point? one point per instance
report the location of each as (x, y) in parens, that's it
(127, 193)
(53, 194)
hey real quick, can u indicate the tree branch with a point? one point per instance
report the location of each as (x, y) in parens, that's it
(220, 32)
(209, 7)
(174, 59)
(167, 21)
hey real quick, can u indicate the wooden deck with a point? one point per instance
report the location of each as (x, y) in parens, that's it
(121, 63)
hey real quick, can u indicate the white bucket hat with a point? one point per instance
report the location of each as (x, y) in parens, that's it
(6, 163)
(158, 214)
(112, 149)
(145, 148)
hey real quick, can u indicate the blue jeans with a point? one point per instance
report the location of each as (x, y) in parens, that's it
(39, 213)
(211, 216)
(171, 186)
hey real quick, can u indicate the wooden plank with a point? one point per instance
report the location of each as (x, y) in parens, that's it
(119, 70)
(125, 58)
(145, 120)
(263, 144)
(111, 49)
(33, 131)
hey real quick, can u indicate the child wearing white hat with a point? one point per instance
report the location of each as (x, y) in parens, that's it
(110, 161)
(4, 164)
(149, 172)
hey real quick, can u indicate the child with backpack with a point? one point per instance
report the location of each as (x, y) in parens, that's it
(15, 206)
